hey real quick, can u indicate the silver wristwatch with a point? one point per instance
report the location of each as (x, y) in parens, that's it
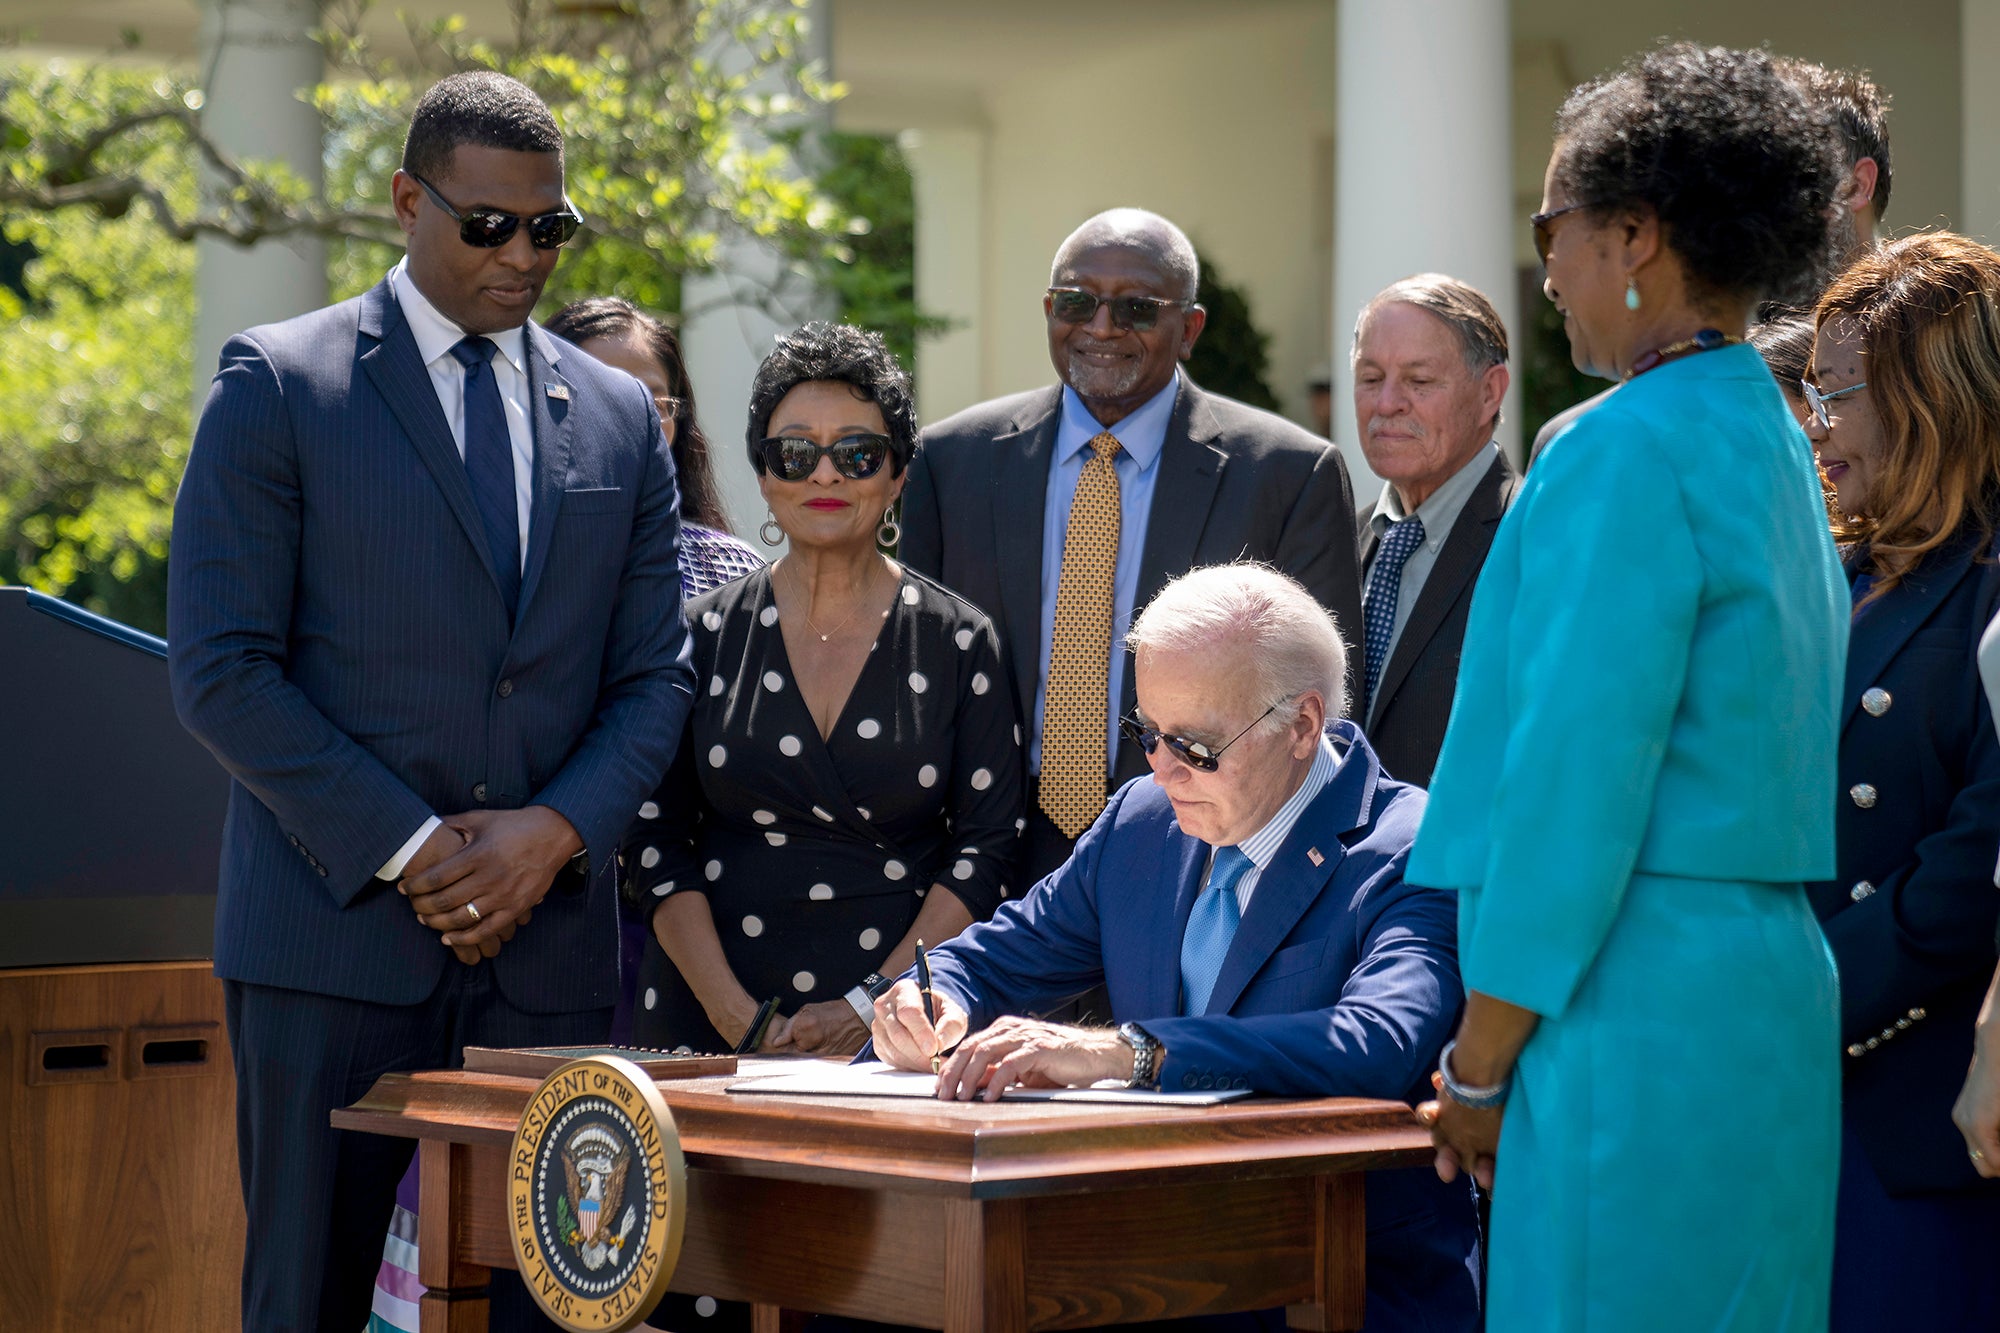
(1145, 1055)
(861, 998)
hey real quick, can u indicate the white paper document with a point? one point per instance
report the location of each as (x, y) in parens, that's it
(875, 1079)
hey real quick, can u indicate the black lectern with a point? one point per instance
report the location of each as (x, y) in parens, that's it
(117, 1136)
(110, 813)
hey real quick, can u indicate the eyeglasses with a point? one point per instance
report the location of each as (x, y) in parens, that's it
(1545, 236)
(1192, 753)
(487, 228)
(1817, 399)
(794, 458)
(1073, 305)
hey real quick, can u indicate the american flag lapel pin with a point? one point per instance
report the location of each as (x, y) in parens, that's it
(1312, 855)
(558, 391)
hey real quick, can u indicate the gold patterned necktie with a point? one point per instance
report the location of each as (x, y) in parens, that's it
(1076, 719)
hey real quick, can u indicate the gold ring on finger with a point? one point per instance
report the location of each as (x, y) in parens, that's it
(473, 909)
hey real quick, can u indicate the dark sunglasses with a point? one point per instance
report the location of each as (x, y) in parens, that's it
(1545, 236)
(794, 458)
(488, 228)
(1192, 753)
(1073, 305)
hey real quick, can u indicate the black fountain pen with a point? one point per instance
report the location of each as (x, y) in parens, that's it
(930, 1005)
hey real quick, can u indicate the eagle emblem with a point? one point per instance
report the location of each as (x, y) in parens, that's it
(595, 1164)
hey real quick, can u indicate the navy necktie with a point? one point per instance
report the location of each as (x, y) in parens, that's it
(489, 463)
(1378, 609)
(1210, 928)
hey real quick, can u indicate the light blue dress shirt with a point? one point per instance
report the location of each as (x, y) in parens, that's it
(1141, 437)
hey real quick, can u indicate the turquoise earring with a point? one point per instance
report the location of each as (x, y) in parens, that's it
(1631, 294)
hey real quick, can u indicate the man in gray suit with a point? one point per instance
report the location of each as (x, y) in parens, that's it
(1059, 510)
(1430, 371)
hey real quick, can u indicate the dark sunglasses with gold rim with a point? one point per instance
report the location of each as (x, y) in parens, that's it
(1545, 236)
(1073, 305)
(489, 228)
(1192, 753)
(794, 457)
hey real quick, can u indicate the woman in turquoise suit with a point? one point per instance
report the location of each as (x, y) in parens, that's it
(1638, 776)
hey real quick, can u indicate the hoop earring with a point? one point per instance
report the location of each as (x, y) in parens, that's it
(770, 533)
(890, 532)
(1631, 294)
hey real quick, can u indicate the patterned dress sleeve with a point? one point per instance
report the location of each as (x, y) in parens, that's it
(987, 792)
(658, 855)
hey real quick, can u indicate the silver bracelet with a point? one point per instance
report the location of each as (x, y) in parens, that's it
(1471, 1095)
(859, 1000)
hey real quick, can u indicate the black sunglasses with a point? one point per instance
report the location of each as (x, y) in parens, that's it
(1192, 753)
(1545, 236)
(488, 228)
(1073, 305)
(794, 458)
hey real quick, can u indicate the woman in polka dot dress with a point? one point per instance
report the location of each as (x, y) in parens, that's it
(850, 779)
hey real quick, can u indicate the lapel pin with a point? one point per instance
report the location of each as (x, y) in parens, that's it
(559, 391)
(1312, 855)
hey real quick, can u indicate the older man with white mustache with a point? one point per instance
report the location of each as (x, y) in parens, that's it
(1430, 370)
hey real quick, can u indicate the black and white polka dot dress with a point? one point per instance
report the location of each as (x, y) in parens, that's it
(816, 854)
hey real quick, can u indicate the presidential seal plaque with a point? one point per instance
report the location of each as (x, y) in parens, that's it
(597, 1195)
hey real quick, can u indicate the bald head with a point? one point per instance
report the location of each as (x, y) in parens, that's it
(1148, 234)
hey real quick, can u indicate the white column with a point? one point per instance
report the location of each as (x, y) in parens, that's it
(1979, 101)
(948, 171)
(260, 56)
(1423, 177)
(728, 325)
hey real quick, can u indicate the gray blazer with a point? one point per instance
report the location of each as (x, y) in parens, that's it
(1413, 699)
(1235, 483)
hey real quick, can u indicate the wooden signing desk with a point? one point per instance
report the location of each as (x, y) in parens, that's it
(966, 1218)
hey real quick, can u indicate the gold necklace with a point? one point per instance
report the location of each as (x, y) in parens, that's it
(827, 637)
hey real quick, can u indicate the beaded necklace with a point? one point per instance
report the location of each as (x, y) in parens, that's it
(1707, 340)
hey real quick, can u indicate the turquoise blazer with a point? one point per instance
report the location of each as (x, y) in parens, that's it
(1651, 678)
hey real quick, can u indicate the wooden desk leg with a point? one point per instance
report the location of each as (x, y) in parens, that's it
(776, 1319)
(985, 1272)
(1340, 1225)
(454, 1299)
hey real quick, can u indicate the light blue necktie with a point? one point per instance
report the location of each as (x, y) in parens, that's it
(489, 464)
(1385, 587)
(1210, 928)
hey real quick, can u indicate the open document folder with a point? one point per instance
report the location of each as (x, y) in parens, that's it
(875, 1079)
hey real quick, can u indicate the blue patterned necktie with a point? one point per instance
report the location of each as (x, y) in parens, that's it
(1378, 609)
(489, 463)
(1210, 928)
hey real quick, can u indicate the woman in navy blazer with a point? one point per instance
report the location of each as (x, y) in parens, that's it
(1905, 391)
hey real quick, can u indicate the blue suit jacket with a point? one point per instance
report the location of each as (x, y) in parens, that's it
(1911, 910)
(339, 642)
(1342, 982)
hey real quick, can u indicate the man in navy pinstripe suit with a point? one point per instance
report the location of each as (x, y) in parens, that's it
(424, 607)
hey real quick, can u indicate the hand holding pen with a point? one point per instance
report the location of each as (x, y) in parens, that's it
(930, 1001)
(905, 1036)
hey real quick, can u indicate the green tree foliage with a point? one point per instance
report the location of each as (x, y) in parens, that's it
(875, 283)
(94, 410)
(1233, 356)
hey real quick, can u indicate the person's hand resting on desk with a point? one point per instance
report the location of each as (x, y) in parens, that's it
(479, 894)
(1013, 1052)
(830, 1027)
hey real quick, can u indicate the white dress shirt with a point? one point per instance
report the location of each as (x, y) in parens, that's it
(436, 336)
(1262, 846)
(1439, 511)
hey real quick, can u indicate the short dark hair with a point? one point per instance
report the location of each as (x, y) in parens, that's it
(694, 466)
(1482, 337)
(844, 354)
(1786, 345)
(1860, 112)
(1740, 169)
(481, 108)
